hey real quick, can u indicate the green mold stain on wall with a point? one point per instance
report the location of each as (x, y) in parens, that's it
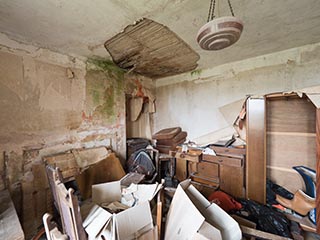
(95, 96)
(111, 70)
(109, 102)
(105, 89)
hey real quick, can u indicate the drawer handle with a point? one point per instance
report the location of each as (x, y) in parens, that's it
(220, 160)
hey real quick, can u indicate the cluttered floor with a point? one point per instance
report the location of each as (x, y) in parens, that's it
(168, 189)
(171, 190)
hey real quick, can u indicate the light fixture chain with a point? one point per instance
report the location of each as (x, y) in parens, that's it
(231, 10)
(211, 10)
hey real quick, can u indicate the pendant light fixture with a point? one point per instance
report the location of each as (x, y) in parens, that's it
(221, 32)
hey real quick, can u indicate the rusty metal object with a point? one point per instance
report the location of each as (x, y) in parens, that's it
(220, 33)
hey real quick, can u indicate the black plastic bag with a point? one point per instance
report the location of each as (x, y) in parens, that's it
(266, 218)
(273, 189)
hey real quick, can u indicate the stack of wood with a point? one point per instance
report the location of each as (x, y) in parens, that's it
(169, 138)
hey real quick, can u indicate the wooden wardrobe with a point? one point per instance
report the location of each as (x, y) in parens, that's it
(282, 131)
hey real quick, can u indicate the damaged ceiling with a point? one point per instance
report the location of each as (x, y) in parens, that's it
(152, 50)
(81, 28)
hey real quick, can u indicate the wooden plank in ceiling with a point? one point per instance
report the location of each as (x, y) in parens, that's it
(151, 49)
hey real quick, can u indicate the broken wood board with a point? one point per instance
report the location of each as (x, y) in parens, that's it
(107, 170)
(10, 227)
(72, 163)
(151, 49)
(66, 162)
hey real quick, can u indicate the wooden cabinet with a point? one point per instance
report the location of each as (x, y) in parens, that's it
(226, 170)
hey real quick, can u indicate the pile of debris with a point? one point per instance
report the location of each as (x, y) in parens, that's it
(139, 205)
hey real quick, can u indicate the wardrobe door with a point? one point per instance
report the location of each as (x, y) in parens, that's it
(256, 150)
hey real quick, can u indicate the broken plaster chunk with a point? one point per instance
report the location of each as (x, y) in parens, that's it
(69, 73)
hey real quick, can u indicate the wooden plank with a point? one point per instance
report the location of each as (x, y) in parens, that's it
(260, 234)
(280, 95)
(244, 221)
(66, 162)
(318, 170)
(282, 118)
(160, 198)
(304, 222)
(10, 227)
(256, 154)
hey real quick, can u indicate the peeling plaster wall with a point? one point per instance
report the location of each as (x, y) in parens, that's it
(51, 103)
(37, 98)
(40, 110)
(195, 100)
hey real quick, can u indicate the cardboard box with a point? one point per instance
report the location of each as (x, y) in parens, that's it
(133, 223)
(192, 216)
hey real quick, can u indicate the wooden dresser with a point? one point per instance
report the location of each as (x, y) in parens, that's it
(224, 171)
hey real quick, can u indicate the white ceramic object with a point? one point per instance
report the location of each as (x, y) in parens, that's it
(219, 33)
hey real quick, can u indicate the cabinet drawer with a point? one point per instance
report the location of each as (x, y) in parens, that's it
(229, 152)
(228, 161)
